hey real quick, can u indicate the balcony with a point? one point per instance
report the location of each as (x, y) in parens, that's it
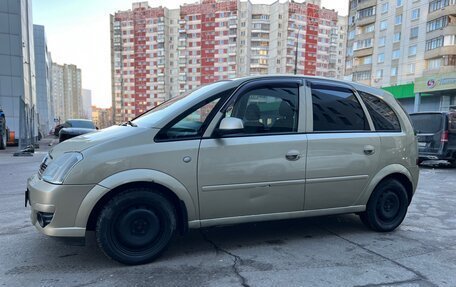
(364, 36)
(363, 52)
(441, 70)
(439, 52)
(448, 10)
(365, 21)
(366, 4)
(450, 29)
(361, 68)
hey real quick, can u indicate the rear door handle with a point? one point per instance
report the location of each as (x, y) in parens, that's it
(369, 150)
(293, 155)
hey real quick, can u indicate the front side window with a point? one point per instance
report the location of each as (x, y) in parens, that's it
(336, 108)
(383, 116)
(267, 109)
(191, 124)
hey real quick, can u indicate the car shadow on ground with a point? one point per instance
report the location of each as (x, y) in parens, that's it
(214, 240)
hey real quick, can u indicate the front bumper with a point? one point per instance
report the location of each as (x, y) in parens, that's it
(60, 201)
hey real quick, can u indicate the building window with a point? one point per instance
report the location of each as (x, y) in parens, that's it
(381, 58)
(369, 28)
(362, 76)
(411, 68)
(436, 24)
(415, 14)
(381, 41)
(434, 64)
(414, 32)
(397, 37)
(434, 43)
(351, 35)
(366, 12)
(383, 25)
(385, 7)
(366, 60)
(394, 72)
(398, 20)
(362, 44)
(439, 4)
(412, 50)
(399, 3)
(379, 74)
(396, 54)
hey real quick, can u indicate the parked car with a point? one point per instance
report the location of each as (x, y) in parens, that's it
(235, 151)
(436, 132)
(75, 127)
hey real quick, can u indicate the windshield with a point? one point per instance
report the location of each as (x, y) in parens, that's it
(173, 104)
(80, 124)
(427, 123)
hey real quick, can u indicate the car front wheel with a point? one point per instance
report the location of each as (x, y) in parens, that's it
(136, 226)
(387, 206)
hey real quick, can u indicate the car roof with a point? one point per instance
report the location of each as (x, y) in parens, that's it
(357, 86)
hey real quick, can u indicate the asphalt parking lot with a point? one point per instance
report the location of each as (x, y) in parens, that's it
(324, 251)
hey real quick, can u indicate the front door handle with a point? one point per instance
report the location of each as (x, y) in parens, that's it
(293, 155)
(369, 150)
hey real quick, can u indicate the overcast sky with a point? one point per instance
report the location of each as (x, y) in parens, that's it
(78, 33)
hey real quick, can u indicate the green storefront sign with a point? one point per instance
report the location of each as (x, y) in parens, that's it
(401, 91)
(437, 82)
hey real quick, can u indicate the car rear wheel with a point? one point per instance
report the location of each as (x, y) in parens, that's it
(136, 226)
(387, 206)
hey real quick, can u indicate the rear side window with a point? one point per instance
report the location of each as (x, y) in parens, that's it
(335, 109)
(427, 123)
(383, 116)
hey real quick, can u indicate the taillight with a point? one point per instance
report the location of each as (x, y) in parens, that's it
(444, 137)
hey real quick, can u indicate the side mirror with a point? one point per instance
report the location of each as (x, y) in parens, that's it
(230, 126)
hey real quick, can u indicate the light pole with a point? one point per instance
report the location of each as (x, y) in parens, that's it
(296, 50)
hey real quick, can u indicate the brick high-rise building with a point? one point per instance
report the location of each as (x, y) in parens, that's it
(158, 53)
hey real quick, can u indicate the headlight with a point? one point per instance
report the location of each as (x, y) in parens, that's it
(58, 169)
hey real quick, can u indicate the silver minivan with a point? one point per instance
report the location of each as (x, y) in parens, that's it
(241, 150)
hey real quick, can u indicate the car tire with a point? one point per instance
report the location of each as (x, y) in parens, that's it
(452, 163)
(387, 206)
(136, 226)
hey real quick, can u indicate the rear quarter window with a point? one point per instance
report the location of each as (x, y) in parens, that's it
(383, 116)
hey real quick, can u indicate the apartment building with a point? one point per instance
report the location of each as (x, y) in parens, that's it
(45, 106)
(158, 53)
(66, 91)
(17, 71)
(400, 45)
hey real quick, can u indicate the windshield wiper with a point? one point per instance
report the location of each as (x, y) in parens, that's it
(129, 123)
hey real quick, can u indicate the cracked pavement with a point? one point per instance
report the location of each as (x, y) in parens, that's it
(323, 251)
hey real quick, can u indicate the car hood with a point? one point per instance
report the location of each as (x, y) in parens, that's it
(88, 140)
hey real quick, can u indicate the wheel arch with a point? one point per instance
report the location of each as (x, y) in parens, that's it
(395, 171)
(166, 185)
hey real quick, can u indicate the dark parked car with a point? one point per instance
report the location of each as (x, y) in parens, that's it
(3, 131)
(436, 132)
(75, 127)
